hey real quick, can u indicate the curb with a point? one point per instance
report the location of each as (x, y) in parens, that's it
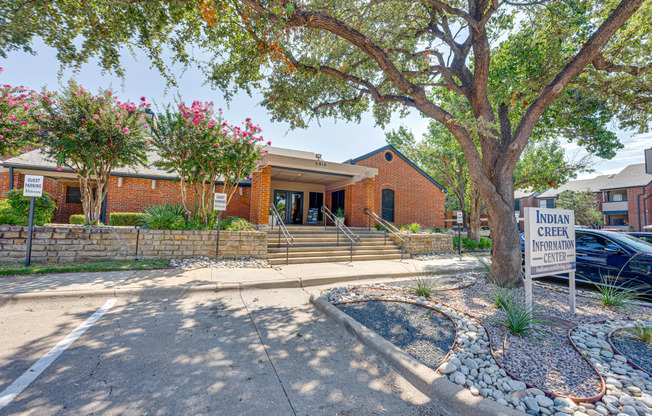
(446, 396)
(216, 287)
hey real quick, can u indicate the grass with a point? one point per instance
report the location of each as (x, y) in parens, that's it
(501, 297)
(89, 266)
(519, 319)
(423, 286)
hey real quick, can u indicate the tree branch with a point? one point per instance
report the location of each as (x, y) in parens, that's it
(603, 65)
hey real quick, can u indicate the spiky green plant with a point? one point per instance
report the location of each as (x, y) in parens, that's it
(611, 293)
(519, 319)
(644, 333)
(501, 296)
(423, 286)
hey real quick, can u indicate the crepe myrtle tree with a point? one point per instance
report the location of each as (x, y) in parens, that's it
(15, 105)
(91, 134)
(494, 73)
(207, 153)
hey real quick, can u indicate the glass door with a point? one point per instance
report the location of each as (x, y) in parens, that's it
(281, 203)
(289, 206)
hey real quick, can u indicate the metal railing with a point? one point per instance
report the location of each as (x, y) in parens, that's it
(387, 226)
(289, 240)
(339, 226)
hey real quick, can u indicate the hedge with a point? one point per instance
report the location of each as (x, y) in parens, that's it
(77, 219)
(126, 219)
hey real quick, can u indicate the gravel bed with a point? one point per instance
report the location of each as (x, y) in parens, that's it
(424, 334)
(634, 348)
(202, 262)
(435, 256)
(546, 360)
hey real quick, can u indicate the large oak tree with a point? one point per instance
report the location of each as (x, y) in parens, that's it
(513, 64)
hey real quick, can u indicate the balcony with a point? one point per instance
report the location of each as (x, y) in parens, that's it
(619, 207)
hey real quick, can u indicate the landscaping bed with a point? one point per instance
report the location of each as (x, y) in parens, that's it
(542, 373)
(239, 263)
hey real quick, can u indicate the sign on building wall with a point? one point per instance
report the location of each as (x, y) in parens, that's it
(33, 185)
(219, 202)
(549, 246)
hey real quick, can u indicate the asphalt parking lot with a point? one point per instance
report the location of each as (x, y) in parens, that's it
(250, 352)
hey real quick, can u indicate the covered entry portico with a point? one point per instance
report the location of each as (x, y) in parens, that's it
(297, 181)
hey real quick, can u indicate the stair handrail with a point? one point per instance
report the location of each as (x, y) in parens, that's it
(289, 240)
(339, 225)
(387, 226)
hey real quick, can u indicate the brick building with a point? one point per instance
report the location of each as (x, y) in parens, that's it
(384, 181)
(624, 198)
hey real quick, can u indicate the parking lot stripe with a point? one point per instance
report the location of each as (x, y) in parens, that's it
(44, 362)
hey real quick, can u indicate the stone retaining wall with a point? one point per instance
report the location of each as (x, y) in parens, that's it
(428, 243)
(68, 244)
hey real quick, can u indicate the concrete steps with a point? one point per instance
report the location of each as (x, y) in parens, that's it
(319, 245)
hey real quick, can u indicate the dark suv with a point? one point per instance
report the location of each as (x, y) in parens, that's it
(606, 253)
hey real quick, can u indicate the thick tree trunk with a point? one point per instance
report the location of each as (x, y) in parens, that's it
(506, 260)
(474, 216)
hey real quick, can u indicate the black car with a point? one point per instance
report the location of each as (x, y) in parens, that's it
(645, 236)
(605, 253)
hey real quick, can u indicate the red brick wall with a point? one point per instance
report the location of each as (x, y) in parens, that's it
(633, 206)
(261, 185)
(416, 199)
(132, 196)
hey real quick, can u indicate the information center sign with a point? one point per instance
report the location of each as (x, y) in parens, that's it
(549, 241)
(549, 247)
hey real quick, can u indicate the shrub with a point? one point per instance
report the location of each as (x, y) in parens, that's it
(423, 286)
(380, 227)
(501, 297)
(415, 227)
(612, 294)
(15, 209)
(339, 213)
(127, 219)
(519, 318)
(77, 219)
(644, 333)
(166, 217)
(468, 244)
(236, 224)
(435, 230)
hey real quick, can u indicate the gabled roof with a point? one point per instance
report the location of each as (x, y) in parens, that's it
(524, 193)
(632, 176)
(593, 185)
(399, 154)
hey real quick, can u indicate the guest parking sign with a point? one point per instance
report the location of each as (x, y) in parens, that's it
(549, 247)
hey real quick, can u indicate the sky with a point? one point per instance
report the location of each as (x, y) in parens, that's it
(335, 140)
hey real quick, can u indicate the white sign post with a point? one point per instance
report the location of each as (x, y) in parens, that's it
(549, 247)
(32, 188)
(459, 233)
(219, 205)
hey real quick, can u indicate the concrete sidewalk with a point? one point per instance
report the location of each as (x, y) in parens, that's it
(171, 281)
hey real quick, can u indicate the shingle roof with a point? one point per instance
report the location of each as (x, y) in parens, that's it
(524, 193)
(631, 176)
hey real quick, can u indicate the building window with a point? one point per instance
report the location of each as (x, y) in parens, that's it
(546, 203)
(73, 195)
(517, 205)
(618, 197)
(388, 156)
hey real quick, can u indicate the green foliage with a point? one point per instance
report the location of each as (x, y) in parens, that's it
(166, 217)
(126, 219)
(613, 294)
(236, 224)
(91, 135)
(435, 230)
(201, 148)
(501, 296)
(8, 269)
(15, 107)
(339, 213)
(468, 244)
(414, 227)
(77, 219)
(15, 209)
(379, 227)
(423, 286)
(644, 333)
(519, 318)
(585, 205)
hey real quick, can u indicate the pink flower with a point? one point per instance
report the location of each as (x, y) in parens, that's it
(269, 143)
(95, 116)
(126, 130)
(201, 173)
(142, 98)
(59, 168)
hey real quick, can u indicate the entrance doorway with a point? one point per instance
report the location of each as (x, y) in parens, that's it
(289, 206)
(388, 205)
